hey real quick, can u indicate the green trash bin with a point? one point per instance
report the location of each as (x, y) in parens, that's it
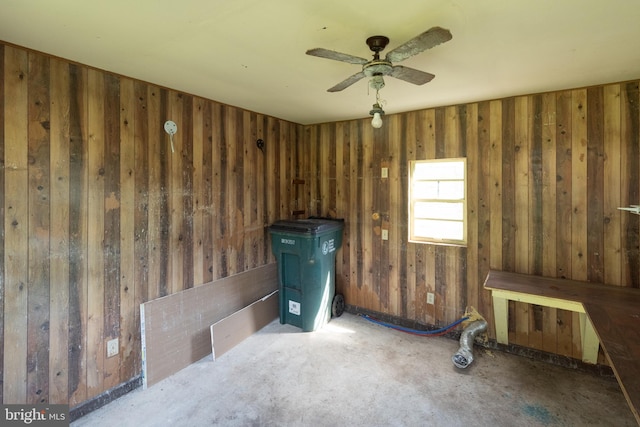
(305, 250)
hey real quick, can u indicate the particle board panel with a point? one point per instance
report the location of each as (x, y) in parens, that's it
(175, 328)
(232, 330)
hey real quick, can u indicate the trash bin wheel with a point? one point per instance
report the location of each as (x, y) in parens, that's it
(337, 306)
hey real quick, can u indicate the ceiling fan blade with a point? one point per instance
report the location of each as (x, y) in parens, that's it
(331, 54)
(346, 83)
(411, 75)
(424, 41)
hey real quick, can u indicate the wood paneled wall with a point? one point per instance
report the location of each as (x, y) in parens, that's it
(98, 215)
(546, 174)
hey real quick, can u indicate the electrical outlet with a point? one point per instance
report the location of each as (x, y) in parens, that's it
(112, 347)
(385, 173)
(385, 234)
(430, 298)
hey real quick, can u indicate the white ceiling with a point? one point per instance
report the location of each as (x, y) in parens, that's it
(251, 53)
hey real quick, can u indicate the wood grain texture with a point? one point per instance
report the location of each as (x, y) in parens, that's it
(533, 164)
(39, 231)
(59, 309)
(2, 210)
(16, 226)
(99, 216)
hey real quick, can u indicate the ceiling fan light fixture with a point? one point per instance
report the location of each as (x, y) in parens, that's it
(376, 83)
(377, 112)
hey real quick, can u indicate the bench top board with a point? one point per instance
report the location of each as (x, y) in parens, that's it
(571, 290)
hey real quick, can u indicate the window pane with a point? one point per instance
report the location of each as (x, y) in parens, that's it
(444, 190)
(452, 190)
(448, 230)
(438, 210)
(438, 170)
(425, 190)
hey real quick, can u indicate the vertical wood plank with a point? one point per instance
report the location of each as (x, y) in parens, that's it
(521, 188)
(176, 248)
(234, 191)
(187, 191)
(141, 147)
(39, 196)
(95, 222)
(341, 170)
(630, 139)
(16, 237)
(262, 170)
(60, 234)
(564, 211)
(549, 214)
(78, 233)
(485, 186)
(595, 184)
(612, 186)
(579, 200)
(111, 230)
(536, 240)
(399, 202)
(371, 285)
(426, 149)
(219, 184)
(579, 171)
(396, 291)
(474, 159)
(129, 288)
(515, 202)
(514, 186)
(248, 179)
(2, 215)
(207, 192)
(198, 164)
(519, 197)
(355, 239)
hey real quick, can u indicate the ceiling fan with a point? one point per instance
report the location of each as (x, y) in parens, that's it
(385, 67)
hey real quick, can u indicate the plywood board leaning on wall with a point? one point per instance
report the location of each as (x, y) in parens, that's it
(175, 328)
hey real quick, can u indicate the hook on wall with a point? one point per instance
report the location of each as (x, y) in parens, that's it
(260, 144)
(171, 128)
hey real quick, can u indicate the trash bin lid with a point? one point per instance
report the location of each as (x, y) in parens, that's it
(307, 226)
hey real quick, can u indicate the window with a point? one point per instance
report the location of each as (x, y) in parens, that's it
(438, 201)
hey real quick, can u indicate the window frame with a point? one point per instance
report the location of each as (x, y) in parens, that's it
(413, 199)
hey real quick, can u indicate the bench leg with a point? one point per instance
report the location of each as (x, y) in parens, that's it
(590, 343)
(501, 319)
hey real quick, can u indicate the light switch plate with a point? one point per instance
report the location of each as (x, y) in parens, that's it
(385, 234)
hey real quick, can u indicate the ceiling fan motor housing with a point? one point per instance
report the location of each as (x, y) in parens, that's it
(377, 68)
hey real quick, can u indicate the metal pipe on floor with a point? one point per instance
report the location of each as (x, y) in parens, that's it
(464, 355)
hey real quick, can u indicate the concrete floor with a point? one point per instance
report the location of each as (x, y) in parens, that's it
(354, 372)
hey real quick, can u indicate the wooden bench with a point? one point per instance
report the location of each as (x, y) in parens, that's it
(609, 316)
